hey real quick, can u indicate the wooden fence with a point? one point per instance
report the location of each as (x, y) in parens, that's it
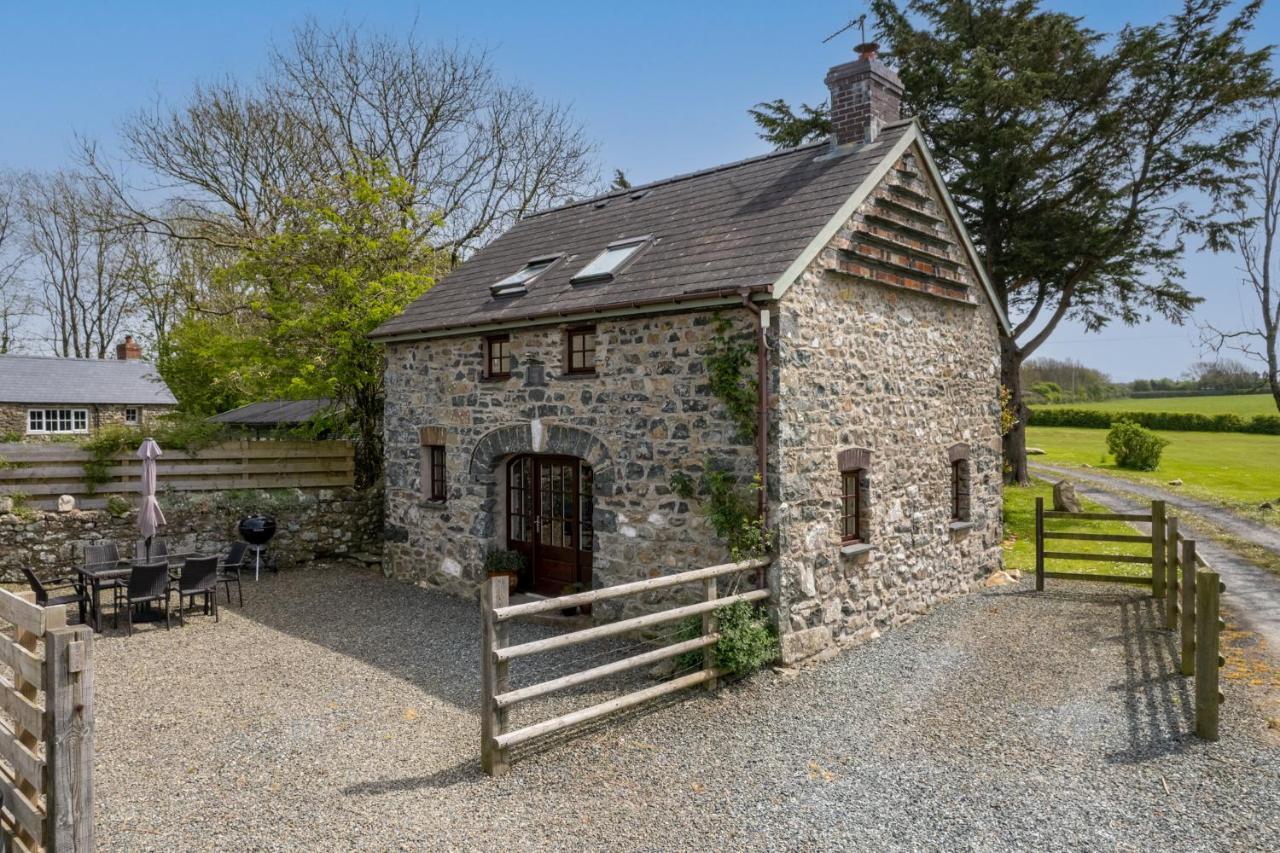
(498, 697)
(46, 750)
(1179, 578)
(43, 472)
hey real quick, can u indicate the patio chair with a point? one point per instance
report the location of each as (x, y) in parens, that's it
(159, 548)
(199, 577)
(229, 570)
(148, 583)
(44, 599)
(101, 554)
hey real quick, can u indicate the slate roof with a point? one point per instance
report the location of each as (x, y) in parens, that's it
(81, 381)
(726, 228)
(273, 412)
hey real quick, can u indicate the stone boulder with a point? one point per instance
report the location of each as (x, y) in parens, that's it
(6, 505)
(1035, 451)
(66, 503)
(998, 578)
(1064, 497)
(1176, 481)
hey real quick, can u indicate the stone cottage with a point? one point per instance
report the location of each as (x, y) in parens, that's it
(43, 397)
(548, 395)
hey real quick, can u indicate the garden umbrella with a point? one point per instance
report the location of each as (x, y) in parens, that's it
(149, 515)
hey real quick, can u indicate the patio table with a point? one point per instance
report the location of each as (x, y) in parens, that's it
(99, 575)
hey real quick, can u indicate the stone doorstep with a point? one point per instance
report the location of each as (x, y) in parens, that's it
(551, 619)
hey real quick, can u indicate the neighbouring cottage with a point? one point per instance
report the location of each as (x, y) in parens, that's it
(272, 417)
(44, 397)
(546, 396)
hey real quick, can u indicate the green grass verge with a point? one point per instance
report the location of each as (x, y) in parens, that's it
(1020, 535)
(1245, 405)
(1236, 471)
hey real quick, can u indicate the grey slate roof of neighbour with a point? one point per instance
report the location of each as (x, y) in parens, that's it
(734, 226)
(81, 381)
(273, 412)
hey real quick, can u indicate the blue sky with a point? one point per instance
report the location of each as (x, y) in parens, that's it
(662, 87)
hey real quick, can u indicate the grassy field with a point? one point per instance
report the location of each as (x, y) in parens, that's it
(1020, 544)
(1245, 405)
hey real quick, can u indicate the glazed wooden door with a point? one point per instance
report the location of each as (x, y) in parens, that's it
(549, 520)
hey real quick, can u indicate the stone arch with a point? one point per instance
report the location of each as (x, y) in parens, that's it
(538, 437)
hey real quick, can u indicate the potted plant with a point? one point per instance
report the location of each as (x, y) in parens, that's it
(500, 561)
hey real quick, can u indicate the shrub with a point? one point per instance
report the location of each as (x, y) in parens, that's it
(1171, 421)
(117, 506)
(502, 560)
(1134, 446)
(12, 436)
(747, 640)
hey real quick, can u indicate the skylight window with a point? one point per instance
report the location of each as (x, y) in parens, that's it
(518, 282)
(607, 263)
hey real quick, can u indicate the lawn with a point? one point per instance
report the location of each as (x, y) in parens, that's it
(1245, 405)
(1020, 542)
(1236, 470)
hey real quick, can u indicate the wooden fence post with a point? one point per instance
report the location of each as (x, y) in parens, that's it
(1157, 549)
(1208, 586)
(1171, 570)
(68, 738)
(1188, 588)
(55, 617)
(493, 675)
(1039, 544)
(709, 627)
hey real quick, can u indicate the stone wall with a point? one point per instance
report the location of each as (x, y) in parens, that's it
(13, 417)
(321, 523)
(646, 413)
(906, 376)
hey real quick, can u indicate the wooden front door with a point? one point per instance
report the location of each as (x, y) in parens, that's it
(549, 504)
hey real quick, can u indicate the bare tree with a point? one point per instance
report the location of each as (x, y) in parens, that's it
(479, 153)
(1260, 255)
(15, 301)
(79, 263)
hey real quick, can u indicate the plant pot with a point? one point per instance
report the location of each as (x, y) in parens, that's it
(513, 579)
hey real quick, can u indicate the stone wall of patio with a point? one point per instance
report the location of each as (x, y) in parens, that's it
(311, 524)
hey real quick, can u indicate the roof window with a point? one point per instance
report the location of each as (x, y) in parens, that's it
(518, 282)
(606, 264)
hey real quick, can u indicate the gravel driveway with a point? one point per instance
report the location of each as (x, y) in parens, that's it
(337, 711)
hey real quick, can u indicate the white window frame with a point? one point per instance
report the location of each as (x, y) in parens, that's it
(75, 422)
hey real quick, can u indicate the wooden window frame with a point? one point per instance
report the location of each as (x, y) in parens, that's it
(435, 484)
(504, 357)
(853, 494)
(587, 332)
(961, 482)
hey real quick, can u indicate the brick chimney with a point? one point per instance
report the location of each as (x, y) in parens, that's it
(129, 349)
(866, 95)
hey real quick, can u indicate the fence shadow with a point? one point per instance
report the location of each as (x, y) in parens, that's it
(1158, 700)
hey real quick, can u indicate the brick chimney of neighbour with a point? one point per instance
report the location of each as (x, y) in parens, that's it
(866, 95)
(129, 349)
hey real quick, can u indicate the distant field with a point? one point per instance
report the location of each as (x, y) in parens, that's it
(1245, 405)
(1234, 469)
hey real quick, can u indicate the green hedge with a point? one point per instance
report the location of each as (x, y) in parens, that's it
(1172, 421)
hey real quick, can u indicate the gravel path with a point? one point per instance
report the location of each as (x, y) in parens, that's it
(337, 711)
(1252, 591)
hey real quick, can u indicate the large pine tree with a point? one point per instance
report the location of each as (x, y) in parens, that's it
(1081, 162)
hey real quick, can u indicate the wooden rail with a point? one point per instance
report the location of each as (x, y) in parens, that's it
(1180, 578)
(496, 614)
(46, 751)
(43, 472)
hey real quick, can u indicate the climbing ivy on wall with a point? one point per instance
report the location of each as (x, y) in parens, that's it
(730, 508)
(729, 373)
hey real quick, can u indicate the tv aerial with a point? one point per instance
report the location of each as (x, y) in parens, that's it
(860, 22)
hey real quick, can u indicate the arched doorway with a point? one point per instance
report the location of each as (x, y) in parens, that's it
(549, 502)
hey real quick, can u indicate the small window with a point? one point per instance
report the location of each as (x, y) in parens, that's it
(52, 421)
(580, 350)
(131, 416)
(959, 456)
(433, 480)
(518, 282)
(855, 504)
(497, 357)
(607, 263)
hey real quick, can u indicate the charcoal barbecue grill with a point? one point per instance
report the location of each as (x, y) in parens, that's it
(258, 530)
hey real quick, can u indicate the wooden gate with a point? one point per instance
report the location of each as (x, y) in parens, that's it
(1150, 555)
(46, 751)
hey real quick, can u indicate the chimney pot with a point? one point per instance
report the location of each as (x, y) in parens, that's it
(866, 94)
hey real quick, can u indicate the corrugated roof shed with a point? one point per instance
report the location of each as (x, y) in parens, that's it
(730, 227)
(273, 412)
(81, 381)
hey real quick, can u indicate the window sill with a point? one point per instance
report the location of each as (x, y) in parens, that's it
(433, 503)
(497, 378)
(856, 549)
(957, 526)
(580, 374)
